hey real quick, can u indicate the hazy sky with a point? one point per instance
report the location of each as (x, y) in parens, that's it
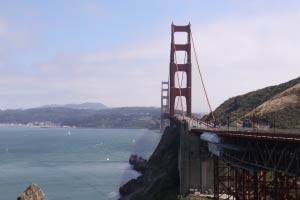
(117, 52)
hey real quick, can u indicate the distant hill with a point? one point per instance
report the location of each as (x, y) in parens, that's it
(88, 106)
(127, 117)
(279, 105)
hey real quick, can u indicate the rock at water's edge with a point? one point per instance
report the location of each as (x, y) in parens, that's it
(33, 192)
(139, 164)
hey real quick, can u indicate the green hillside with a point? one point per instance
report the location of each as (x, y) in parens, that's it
(279, 104)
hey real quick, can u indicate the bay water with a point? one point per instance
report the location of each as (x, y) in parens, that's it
(70, 163)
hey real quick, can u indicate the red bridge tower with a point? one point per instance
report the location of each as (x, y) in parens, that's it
(181, 91)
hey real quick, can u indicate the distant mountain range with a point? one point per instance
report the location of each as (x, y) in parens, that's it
(126, 117)
(277, 106)
(87, 105)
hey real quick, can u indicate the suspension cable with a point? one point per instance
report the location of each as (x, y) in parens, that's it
(201, 77)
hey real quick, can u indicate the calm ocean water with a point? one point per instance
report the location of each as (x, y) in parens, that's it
(77, 164)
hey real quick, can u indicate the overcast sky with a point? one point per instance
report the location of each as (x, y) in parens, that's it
(117, 52)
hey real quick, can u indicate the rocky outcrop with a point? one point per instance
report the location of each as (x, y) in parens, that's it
(160, 180)
(33, 192)
(138, 163)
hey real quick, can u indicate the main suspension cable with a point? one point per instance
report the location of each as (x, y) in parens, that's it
(201, 77)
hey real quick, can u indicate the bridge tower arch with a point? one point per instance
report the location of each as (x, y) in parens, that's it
(180, 67)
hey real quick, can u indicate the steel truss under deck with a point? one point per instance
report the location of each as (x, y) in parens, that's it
(278, 156)
(257, 169)
(235, 183)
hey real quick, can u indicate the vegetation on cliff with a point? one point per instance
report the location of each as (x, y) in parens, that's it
(279, 105)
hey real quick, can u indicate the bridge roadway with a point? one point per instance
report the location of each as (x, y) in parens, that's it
(198, 126)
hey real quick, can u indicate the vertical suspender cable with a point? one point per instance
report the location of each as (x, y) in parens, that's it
(181, 78)
(202, 78)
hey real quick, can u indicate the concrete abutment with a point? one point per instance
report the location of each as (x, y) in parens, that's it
(195, 165)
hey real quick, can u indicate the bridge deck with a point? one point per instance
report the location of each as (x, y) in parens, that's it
(254, 134)
(198, 126)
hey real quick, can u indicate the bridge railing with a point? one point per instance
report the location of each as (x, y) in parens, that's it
(256, 129)
(195, 123)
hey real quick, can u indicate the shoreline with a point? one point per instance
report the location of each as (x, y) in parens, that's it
(77, 127)
(34, 126)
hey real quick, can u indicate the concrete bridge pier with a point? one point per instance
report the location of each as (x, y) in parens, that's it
(195, 163)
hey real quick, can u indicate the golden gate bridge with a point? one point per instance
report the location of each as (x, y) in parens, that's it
(245, 163)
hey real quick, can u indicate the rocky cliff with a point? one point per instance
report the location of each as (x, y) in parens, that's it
(160, 179)
(33, 192)
(138, 163)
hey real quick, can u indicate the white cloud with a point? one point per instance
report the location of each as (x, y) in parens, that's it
(120, 77)
(236, 54)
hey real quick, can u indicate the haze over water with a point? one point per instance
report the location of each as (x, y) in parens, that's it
(70, 163)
